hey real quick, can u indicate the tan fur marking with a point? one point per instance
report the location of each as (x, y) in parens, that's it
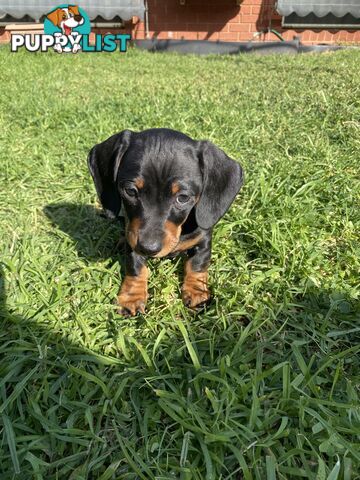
(55, 17)
(132, 232)
(187, 244)
(171, 238)
(133, 294)
(139, 182)
(74, 9)
(195, 290)
(174, 188)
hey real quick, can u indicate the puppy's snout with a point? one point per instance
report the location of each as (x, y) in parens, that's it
(78, 18)
(149, 247)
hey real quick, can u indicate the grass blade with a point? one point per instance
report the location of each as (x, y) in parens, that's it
(189, 345)
(11, 441)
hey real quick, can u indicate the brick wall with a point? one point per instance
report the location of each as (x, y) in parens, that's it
(224, 20)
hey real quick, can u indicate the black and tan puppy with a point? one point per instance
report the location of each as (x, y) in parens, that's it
(173, 190)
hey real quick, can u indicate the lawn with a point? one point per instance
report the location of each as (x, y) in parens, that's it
(262, 385)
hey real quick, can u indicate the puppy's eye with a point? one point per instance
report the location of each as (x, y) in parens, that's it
(182, 199)
(130, 192)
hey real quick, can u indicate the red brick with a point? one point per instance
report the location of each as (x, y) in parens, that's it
(203, 35)
(247, 9)
(139, 27)
(188, 35)
(152, 18)
(217, 16)
(244, 36)
(137, 35)
(234, 18)
(192, 28)
(213, 36)
(314, 36)
(162, 35)
(239, 27)
(231, 36)
(289, 34)
(220, 27)
(251, 18)
(328, 36)
(253, 27)
(161, 9)
(255, 10)
(305, 36)
(4, 36)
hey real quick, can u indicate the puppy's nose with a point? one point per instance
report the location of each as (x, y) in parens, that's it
(78, 18)
(150, 248)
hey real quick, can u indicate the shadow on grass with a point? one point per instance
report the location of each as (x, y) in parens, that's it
(69, 412)
(54, 401)
(95, 236)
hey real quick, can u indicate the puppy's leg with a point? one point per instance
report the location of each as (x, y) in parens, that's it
(195, 292)
(133, 294)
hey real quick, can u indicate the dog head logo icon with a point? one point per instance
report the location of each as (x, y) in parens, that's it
(67, 21)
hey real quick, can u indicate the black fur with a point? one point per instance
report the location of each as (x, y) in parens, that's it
(222, 179)
(104, 161)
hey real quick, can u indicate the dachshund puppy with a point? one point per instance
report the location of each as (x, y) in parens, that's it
(174, 190)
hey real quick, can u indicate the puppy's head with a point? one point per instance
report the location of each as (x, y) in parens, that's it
(74, 13)
(167, 183)
(66, 18)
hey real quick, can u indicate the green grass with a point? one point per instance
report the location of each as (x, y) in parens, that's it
(264, 384)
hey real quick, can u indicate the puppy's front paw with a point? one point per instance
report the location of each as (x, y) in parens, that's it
(133, 295)
(58, 48)
(131, 308)
(76, 48)
(195, 292)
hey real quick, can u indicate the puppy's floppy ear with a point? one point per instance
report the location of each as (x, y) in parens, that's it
(222, 179)
(74, 9)
(104, 161)
(54, 17)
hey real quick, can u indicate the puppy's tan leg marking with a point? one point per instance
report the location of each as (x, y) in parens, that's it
(195, 290)
(133, 294)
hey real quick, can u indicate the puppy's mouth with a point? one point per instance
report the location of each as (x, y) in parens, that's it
(67, 30)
